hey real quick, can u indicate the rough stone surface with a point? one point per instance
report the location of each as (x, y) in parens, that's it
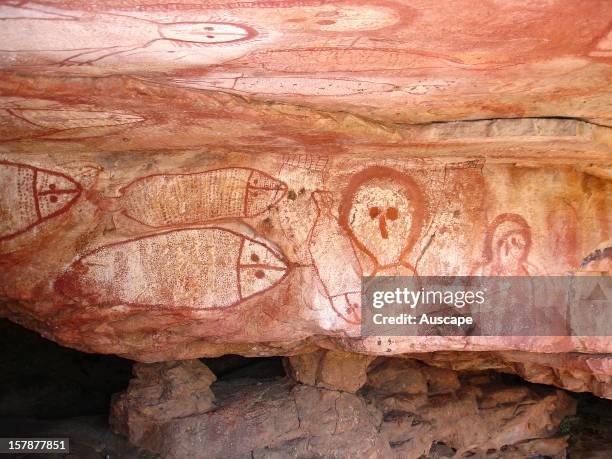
(184, 179)
(473, 413)
(383, 58)
(344, 371)
(574, 372)
(132, 262)
(161, 392)
(110, 267)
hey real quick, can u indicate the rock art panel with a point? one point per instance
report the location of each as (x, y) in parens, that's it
(289, 86)
(162, 200)
(206, 268)
(74, 38)
(382, 211)
(598, 261)
(338, 50)
(30, 196)
(507, 245)
(51, 119)
(330, 248)
(72, 119)
(340, 216)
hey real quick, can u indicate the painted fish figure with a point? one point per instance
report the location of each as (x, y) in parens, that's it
(30, 196)
(72, 119)
(290, 86)
(163, 200)
(205, 268)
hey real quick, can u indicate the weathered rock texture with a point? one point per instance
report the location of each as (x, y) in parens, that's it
(159, 256)
(393, 60)
(164, 256)
(572, 371)
(162, 392)
(186, 179)
(405, 410)
(330, 369)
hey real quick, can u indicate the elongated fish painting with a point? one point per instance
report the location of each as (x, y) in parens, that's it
(205, 268)
(163, 200)
(30, 196)
(289, 86)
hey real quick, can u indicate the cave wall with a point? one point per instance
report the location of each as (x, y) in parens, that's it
(232, 249)
(195, 179)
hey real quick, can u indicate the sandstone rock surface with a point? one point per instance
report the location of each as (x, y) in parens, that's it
(161, 392)
(473, 413)
(388, 59)
(187, 179)
(344, 371)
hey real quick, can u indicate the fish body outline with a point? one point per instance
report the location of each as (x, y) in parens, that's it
(200, 197)
(39, 195)
(164, 263)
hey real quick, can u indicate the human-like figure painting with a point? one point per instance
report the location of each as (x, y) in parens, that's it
(507, 245)
(382, 212)
(71, 37)
(381, 215)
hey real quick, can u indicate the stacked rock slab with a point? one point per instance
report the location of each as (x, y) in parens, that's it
(405, 409)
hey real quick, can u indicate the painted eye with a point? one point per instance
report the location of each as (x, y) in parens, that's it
(260, 274)
(374, 212)
(53, 198)
(210, 36)
(209, 28)
(392, 213)
(254, 257)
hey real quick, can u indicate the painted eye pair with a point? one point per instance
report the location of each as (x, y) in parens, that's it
(391, 213)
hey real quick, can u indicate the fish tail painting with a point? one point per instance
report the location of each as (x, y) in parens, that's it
(330, 248)
(203, 269)
(29, 196)
(163, 200)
